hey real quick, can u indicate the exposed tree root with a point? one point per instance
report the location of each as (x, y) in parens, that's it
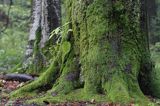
(66, 89)
(61, 74)
(75, 95)
(45, 79)
(64, 76)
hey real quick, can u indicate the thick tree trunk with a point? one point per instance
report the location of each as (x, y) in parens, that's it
(102, 53)
(112, 46)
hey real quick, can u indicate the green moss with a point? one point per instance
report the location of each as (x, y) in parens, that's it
(117, 89)
(65, 47)
(109, 56)
(52, 73)
(79, 96)
(45, 79)
(104, 47)
(66, 84)
(69, 79)
(76, 95)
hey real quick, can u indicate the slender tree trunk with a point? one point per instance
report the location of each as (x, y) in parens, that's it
(36, 20)
(45, 18)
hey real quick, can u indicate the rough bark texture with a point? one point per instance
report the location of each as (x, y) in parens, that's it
(51, 16)
(101, 54)
(112, 46)
(46, 17)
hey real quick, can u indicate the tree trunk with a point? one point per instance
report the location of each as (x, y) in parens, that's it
(153, 11)
(112, 46)
(45, 18)
(102, 53)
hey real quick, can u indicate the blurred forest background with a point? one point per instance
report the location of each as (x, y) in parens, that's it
(14, 28)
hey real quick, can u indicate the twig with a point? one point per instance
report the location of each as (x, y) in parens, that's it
(8, 14)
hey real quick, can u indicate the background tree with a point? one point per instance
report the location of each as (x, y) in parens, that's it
(154, 21)
(14, 23)
(45, 18)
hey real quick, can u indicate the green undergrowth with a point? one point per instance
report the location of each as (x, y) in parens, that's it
(155, 85)
(155, 79)
(14, 39)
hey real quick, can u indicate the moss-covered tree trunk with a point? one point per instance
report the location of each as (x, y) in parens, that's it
(113, 46)
(103, 53)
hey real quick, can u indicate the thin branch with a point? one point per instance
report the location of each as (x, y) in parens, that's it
(8, 14)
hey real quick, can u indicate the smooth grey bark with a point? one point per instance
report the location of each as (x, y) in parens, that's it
(50, 18)
(36, 19)
(45, 15)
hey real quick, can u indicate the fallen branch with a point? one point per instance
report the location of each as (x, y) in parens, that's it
(17, 77)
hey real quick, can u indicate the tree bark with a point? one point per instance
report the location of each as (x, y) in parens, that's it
(102, 53)
(112, 46)
(46, 16)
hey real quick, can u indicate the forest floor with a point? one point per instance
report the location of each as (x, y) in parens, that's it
(6, 87)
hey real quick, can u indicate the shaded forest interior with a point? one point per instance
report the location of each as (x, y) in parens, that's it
(93, 50)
